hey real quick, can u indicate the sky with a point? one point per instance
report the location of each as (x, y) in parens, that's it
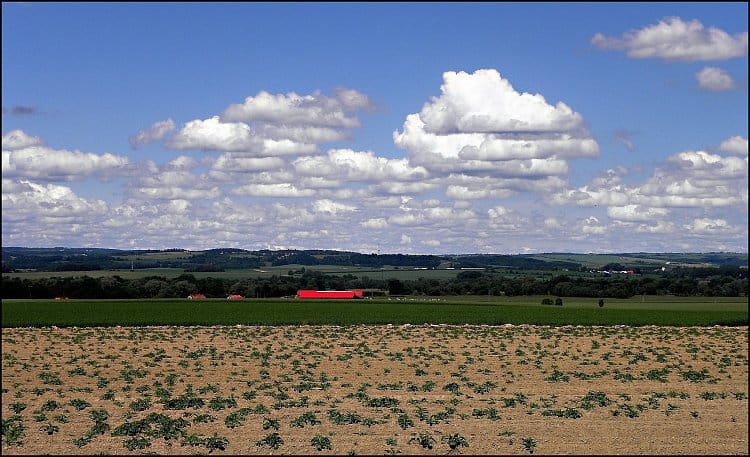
(422, 128)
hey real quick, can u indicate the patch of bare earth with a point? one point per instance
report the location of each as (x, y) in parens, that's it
(375, 390)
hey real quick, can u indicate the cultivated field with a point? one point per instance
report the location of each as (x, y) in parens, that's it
(404, 273)
(383, 389)
(655, 310)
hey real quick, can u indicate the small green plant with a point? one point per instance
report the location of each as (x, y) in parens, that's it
(50, 378)
(272, 440)
(382, 402)
(529, 444)
(423, 439)
(50, 429)
(404, 421)
(203, 419)
(12, 430)
(270, 423)
(557, 376)
(593, 399)
(235, 419)
(17, 407)
(456, 440)
(137, 442)
(51, 405)
(452, 388)
(79, 404)
(215, 442)
(320, 442)
(82, 441)
(307, 418)
(568, 413)
(141, 404)
(695, 376)
(489, 413)
(658, 375)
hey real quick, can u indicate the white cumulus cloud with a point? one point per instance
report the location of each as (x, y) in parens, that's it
(675, 39)
(636, 213)
(358, 166)
(273, 190)
(315, 109)
(155, 132)
(26, 158)
(18, 139)
(705, 225)
(715, 79)
(331, 207)
(736, 145)
(375, 223)
(481, 124)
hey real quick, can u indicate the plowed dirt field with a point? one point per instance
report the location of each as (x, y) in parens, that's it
(375, 390)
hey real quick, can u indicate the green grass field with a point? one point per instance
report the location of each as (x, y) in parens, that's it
(453, 310)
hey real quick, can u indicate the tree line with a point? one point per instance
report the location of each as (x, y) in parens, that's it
(689, 282)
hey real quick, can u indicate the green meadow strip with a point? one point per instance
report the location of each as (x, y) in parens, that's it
(88, 313)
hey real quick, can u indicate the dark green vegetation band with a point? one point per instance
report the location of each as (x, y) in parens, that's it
(89, 313)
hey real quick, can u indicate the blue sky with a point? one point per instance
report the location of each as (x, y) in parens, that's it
(88, 77)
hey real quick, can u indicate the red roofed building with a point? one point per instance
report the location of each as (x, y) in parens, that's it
(329, 293)
(235, 297)
(195, 296)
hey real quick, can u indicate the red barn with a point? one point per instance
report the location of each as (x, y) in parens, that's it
(329, 294)
(235, 297)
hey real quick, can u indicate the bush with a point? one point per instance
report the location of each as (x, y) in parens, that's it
(546, 301)
(558, 301)
(601, 303)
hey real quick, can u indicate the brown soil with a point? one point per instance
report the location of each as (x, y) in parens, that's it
(526, 373)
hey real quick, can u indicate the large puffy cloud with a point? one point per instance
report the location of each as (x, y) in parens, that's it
(313, 110)
(155, 132)
(254, 134)
(18, 139)
(675, 39)
(25, 157)
(484, 102)
(28, 202)
(715, 79)
(358, 166)
(706, 225)
(688, 179)
(212, 134)
(175, 184)
(481, 124)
